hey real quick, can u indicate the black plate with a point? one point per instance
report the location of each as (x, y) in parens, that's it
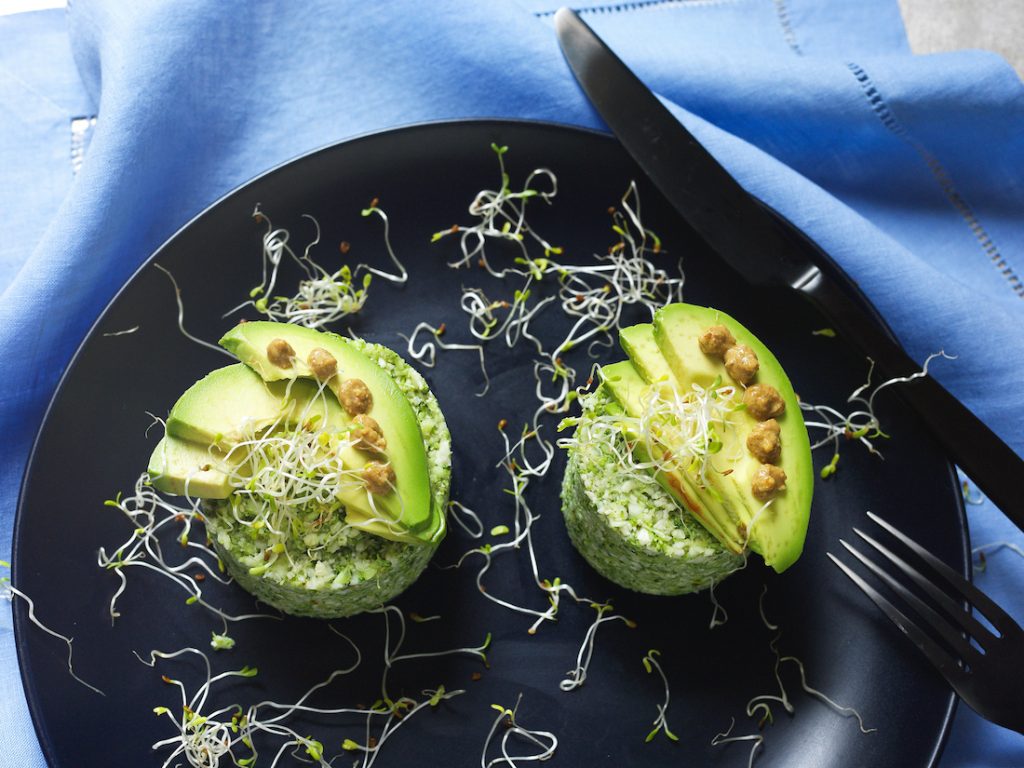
(94, 443)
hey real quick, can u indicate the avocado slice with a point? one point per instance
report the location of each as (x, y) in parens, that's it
(411, 502)
(729, 509)
(629, 389)
(184, 468)
(637, 341)
(650, 365)
(233, 402)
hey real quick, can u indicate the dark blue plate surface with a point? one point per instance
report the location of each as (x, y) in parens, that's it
(94, 444)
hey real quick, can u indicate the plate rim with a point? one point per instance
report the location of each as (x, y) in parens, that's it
(21, 623)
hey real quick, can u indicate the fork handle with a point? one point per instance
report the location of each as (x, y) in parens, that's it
(993, 466)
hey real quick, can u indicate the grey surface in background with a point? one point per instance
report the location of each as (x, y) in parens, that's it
(952, 25)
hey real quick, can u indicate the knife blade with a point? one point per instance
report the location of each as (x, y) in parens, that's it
(766, 250)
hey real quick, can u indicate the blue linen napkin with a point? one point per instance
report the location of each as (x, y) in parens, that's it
(908, 170)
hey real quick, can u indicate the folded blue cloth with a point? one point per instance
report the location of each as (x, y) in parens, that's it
(908, 170)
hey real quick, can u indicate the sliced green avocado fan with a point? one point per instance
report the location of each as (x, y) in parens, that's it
(711, 410)
(292, 379)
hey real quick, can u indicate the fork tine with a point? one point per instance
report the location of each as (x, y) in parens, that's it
(955, 610)
(942, 660)
(952, 637)
(1001, 620)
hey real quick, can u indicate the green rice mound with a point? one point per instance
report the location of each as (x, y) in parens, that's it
(335, 570)
(627, 526)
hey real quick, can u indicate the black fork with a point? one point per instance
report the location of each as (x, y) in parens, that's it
(988, 674)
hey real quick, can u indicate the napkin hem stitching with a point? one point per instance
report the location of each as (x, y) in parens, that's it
(877, 103)
(637, 5)
(788, 33)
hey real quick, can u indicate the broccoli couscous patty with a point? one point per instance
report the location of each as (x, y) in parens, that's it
(331, 569)
(626, 525)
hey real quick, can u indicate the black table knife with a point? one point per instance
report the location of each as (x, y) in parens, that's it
(768, 251)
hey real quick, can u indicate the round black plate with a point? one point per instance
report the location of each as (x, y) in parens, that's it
(94, 443)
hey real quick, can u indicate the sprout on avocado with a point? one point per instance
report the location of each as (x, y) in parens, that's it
(287, 476)
(686, 428)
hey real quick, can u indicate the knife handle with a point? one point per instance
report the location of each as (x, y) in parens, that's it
(993, 466)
